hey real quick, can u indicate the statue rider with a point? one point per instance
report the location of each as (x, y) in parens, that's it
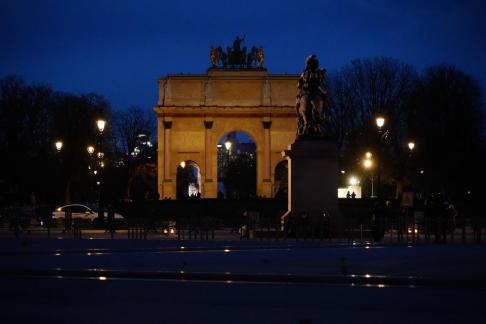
(237, 44)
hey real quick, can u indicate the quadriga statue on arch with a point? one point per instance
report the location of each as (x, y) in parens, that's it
(312, 97)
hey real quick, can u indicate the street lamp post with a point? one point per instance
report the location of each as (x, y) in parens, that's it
(411, 147)
(227, 145)
(368, 165)
(90, 150)
(91, 172)
(100, 123)
(59, 144)
(380, 122)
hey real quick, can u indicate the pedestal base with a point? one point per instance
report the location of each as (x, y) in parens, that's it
(313, 180)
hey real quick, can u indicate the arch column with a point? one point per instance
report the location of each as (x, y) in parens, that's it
(168, 185)
(210, 186)
(267, 172)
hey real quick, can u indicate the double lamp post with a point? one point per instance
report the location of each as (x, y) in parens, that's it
(97, 172)
(368, 162)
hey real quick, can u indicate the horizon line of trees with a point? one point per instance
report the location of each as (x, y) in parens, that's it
(441, 110)
(33, 117)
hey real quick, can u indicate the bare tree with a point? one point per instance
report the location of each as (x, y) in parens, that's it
(130, 125)
(133, 122)
(445, 114)
(362, 90)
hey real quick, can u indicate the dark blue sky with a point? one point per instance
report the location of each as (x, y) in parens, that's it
(120, 48)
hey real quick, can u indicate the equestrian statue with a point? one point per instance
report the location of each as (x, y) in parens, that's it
(236, 56)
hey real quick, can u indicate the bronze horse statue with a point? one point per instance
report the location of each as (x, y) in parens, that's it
(236, 56)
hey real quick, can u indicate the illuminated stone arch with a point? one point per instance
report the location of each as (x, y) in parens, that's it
(188, 179)
(195, 111)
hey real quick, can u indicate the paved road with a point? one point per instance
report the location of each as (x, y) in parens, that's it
(249, 257)
(153, 301)
(55, 282)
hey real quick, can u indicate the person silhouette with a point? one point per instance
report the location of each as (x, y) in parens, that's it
(353, 195)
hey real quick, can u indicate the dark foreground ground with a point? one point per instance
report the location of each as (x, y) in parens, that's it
(99, 281)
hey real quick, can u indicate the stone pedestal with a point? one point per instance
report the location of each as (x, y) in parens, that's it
(313, 180)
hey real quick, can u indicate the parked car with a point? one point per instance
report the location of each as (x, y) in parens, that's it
(83, 212)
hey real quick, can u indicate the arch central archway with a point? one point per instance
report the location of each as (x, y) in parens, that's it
(237, 166)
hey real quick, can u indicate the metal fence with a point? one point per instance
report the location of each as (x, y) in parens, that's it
(360, 222)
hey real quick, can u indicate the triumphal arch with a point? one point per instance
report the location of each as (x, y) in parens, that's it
(194, 111)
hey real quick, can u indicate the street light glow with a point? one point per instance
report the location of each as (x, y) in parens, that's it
(59, 145)
(353, 181)
(368, 155)
(380, 121)
(90, 149)
(227, 144)
(367, 163)
(101, 124)
(411, 145)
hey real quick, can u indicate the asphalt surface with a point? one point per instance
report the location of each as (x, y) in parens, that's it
(93, 281)
(61, 300)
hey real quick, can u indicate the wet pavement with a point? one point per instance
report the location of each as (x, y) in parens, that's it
(170, 281)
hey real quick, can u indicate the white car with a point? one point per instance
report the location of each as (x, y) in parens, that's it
(81, 212)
